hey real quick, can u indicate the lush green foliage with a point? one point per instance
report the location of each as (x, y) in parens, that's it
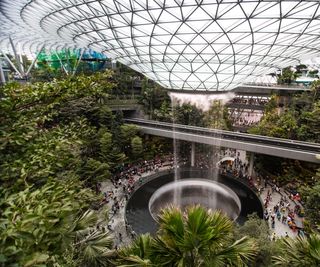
(188, 114)
(39, 226)
(139, 253)
(52, 136)
(59, 138)
(311, 197)
(154, 100)
(287, 76)
(197, 238)
(39, 136)
(300, 119)
(217, 117)
(125, 78)
(61, 127)
(137, 147)
(299, 252)
(258, 230)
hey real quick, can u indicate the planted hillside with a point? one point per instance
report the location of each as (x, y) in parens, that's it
(300, 120)
(57, 141)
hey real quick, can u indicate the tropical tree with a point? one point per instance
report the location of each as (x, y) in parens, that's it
(258, 229)
(152, 96)
(91, 245)
(109, 151)
(311, 197)
(137, 254)
(128, 132)
(196, 237)
(44, 126)
(137, 147)
(164, 113)
(217, 116)
(299, 252)
(199, 238)
(188, 114)
(287, 76)
(95, 171)
(42, 226)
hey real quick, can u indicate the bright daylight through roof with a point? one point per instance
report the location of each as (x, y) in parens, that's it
(190, 45)
(159, 133)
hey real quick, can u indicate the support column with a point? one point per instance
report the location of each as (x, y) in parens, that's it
(2, 77)
(251, 160)
(17, 58)
(34, 61)
(193, 152)
(11, 64)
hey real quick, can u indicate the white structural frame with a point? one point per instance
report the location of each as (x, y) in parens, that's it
(210, 45)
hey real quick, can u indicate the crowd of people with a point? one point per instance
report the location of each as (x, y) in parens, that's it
(286, 211)
(239, 169)
(246, 118)
(256, 101)
(124, 182)
(131, 176)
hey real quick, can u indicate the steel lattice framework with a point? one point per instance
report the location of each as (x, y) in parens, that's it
(181, 44)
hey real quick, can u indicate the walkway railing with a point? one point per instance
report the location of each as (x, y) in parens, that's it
(278, 147)
(289, 86)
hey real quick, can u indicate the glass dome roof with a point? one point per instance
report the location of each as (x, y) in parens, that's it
(181, 44)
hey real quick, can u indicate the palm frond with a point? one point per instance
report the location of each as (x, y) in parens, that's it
(300, 251)
(237, 254)
(135, 261)
(137, 253)
(172, 223)
(95, 248)
(88, 219)
(221, 225)
(164, 252)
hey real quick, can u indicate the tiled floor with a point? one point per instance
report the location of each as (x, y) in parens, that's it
(280, 228)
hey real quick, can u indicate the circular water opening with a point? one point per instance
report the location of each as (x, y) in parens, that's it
(183, 193)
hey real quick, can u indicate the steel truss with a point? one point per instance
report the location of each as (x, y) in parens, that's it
(186, 44)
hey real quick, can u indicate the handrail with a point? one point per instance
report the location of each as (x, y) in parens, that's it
(250, 138)
(293, 86)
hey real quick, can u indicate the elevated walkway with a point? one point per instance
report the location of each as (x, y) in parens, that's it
(253, 143)
(268, 89)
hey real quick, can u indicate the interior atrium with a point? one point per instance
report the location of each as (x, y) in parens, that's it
(190, 45)
(159, 133)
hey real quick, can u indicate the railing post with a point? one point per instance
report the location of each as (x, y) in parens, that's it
(2, 77)
(251, 161)
(193, 148)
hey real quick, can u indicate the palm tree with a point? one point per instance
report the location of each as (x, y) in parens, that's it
(195, 238)
(300, 252)
(92, 245)
(137, 254)
(199, 238)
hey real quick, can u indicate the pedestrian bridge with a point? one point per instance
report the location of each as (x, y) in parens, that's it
(269, 89)
(278, 147)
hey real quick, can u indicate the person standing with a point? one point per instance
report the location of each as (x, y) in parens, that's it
(273, 236)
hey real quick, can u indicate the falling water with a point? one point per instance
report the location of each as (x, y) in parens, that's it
(203, 102)
(209, 194)
(177, 193)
